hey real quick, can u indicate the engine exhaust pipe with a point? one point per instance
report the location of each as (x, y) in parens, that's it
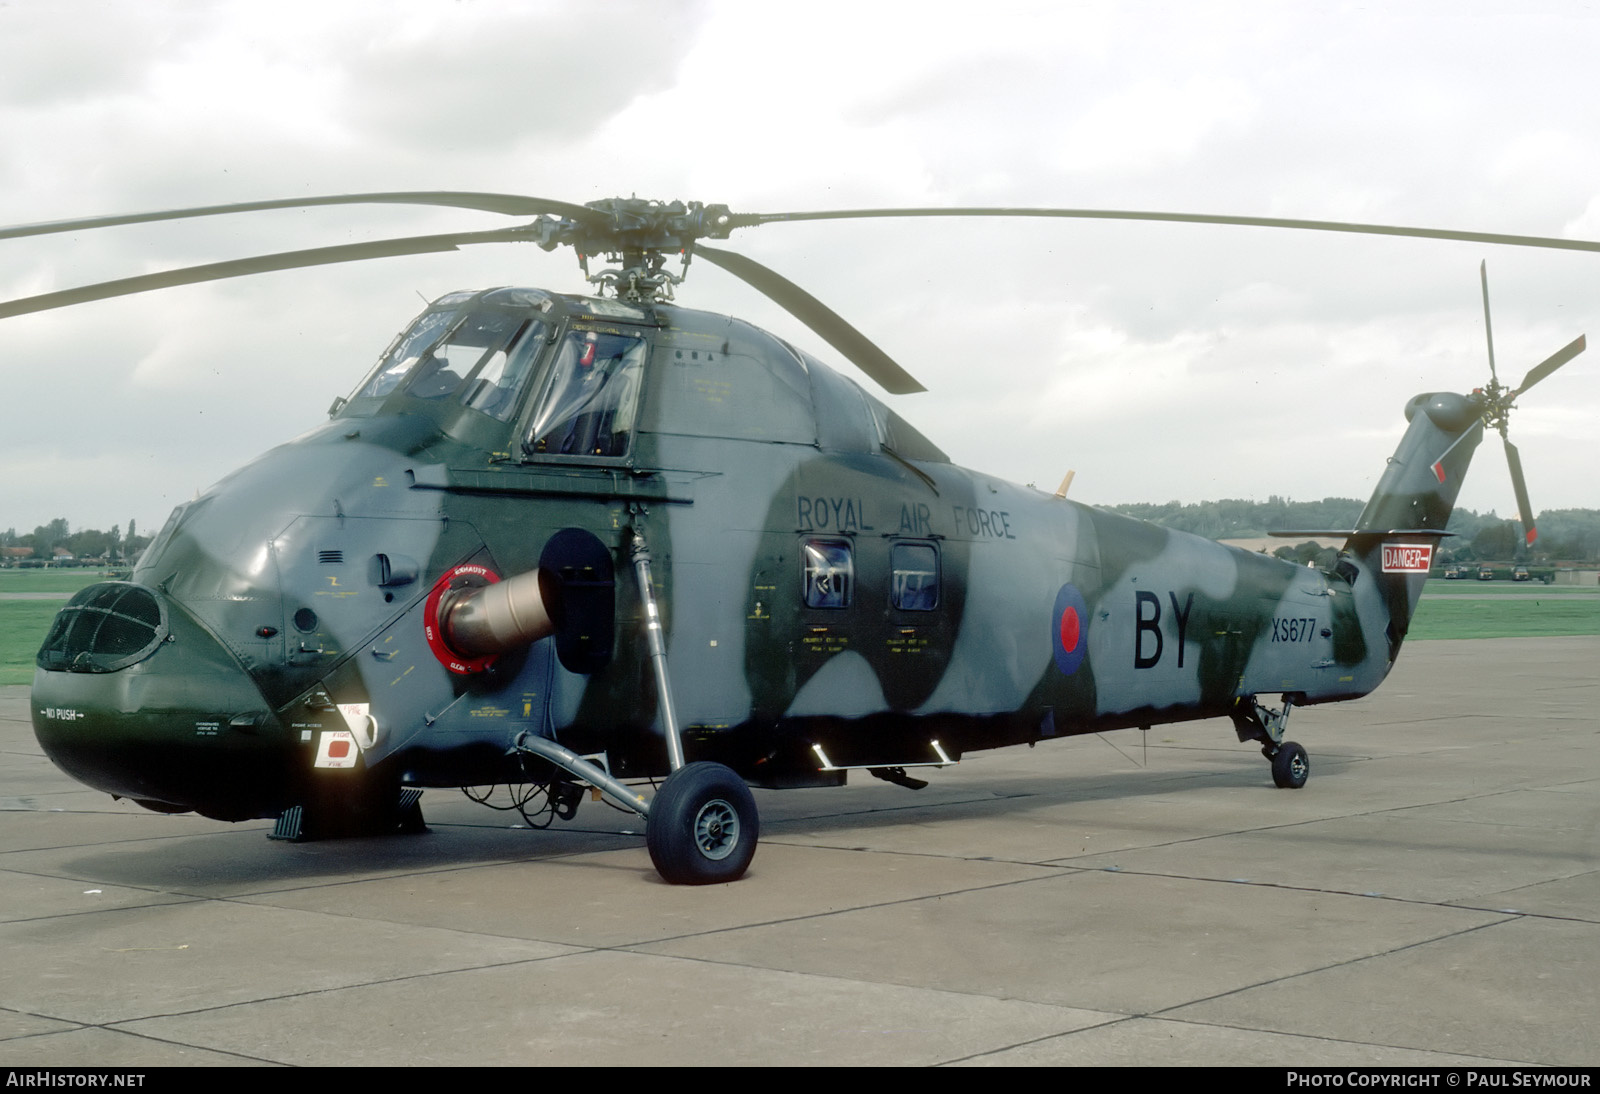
(483, 620)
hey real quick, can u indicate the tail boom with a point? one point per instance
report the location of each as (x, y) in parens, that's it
(1391, 548)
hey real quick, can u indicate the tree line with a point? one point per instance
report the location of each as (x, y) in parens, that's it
(86, 544)
(1565, 535)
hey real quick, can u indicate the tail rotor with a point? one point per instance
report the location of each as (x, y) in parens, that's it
(1499, 400)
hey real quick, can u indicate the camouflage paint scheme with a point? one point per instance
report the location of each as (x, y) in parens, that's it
(302, 582)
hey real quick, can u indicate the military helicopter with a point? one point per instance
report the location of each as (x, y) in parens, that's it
(596, 540)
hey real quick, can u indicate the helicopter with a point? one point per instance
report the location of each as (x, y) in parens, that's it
(593, 542)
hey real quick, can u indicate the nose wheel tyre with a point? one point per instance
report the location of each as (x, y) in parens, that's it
(1290, 766)
(702, 827)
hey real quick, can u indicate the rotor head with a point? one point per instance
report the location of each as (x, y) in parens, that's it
(637, 236)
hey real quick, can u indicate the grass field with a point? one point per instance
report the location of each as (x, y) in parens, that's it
(1476, 610)
(23, 623)
(1505, 618)
(1505, 609)
(1438, 587)
(47, 581)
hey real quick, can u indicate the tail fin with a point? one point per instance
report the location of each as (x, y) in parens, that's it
(1401, 526)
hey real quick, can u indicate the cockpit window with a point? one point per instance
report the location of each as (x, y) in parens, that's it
(507, 346)
(591, 397)
(404, 354)
(471, 345)
(481, 359)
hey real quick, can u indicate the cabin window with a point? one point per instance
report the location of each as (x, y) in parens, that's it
(591, 396)
(915, 567)
(829, 572)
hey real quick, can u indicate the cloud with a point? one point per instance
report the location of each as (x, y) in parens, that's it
(1123, 349)
(476, 78)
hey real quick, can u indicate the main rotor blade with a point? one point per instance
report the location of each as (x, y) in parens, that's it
(509, 204)
(1488, 328)
(748, 219)
(1524, 510)
(1551, 363)
(243, 267)
(819, 317)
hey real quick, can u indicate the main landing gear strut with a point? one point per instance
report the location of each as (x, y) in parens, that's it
(1254, 722)
(701, 827)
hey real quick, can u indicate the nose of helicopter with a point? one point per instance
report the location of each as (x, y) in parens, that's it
(132, 696)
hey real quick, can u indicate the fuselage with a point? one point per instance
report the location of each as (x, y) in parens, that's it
(836, 593)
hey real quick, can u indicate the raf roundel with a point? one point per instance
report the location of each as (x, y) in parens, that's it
(1071, 617)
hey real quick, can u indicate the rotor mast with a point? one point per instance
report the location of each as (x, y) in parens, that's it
(636, 236)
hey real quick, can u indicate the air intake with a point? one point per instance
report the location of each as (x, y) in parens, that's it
(104, 628)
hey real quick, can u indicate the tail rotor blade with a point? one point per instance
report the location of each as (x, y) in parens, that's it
(1524, 509)
(1488, 327)
(1551, 363)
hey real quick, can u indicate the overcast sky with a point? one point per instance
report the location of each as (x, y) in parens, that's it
(1159, 361)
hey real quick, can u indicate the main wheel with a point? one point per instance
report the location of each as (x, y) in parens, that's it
(702, 827)
(1290, 766)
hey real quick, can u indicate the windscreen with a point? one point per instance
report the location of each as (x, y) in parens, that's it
(480, 358)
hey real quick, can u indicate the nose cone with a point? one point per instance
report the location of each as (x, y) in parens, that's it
(134, 697)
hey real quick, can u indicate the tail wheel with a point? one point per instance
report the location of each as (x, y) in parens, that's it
(702, 828)
(1290, 766)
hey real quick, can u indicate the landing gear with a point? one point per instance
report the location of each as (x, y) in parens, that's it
(1290, 767)
(702, 827)
(1254, 722)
